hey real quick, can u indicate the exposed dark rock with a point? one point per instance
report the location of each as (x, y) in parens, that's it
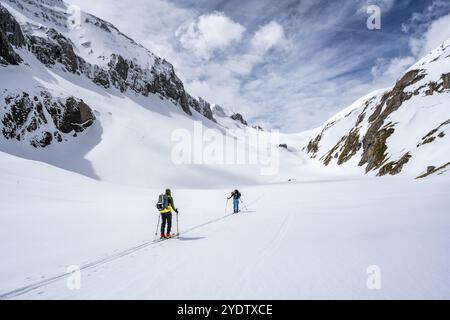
(119, 72)
(375, 151)
(427, 141)
(26, 118)
(374, 142)
(122, 74)
(360, 119)
(7, 53)
(75, 116)
(313, 145)
(50, 52)
(362, 115)
(103, 26)
(350, 147)
(446, 80)
(15, 119)
(46, 140)
(376, 113)
(58, 136)
(432, 170)
(170, 87)
(10, 36)
(203, 107)
(432, 88)
(52, 48)
(101, 77)
(430, 137)
(329, 156)
(394, 167)
(11, 28)
(238, 117)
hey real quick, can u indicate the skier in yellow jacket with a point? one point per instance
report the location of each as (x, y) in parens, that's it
(166, 215)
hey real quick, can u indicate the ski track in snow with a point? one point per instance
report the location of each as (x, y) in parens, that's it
(264, 254)
(296, 246)
(38, 285)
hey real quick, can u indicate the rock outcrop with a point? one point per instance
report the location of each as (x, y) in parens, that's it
(203, 107)
(10, 36)
(238, 117)
(363, 133)
(55, 50)
(41, 119)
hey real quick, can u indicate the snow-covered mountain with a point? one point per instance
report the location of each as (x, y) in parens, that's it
(231, 120)
(84, 97)
(43, 31)
(403, 129)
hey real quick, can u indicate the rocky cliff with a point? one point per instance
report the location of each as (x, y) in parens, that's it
(401, 128)
(92, 49)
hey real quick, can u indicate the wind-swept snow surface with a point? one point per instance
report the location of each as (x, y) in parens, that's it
(312, 238)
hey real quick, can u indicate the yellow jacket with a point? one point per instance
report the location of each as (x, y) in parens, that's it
(169, 207)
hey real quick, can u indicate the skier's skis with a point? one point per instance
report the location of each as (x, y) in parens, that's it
(172, 236)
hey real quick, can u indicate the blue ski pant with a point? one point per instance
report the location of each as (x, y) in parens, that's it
(236, 205)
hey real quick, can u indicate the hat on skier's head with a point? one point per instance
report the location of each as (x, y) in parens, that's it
(168, 192)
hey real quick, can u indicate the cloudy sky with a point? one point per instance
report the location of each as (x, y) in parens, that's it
(287, 64)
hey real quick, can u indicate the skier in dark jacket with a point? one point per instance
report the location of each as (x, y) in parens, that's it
(166, 216)
(236, 195)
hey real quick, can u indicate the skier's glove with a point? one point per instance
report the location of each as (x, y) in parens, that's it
(176, 210)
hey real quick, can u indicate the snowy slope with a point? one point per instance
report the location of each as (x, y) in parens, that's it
(62, 38)
(90, 117)
(305, 239)
(399, 130)
(127, 137)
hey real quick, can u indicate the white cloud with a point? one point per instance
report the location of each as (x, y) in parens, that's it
(208, 33)
(268, 36)
(437, 33)
(432, 34)
(385, 5)
(293, 74)
(387, 72)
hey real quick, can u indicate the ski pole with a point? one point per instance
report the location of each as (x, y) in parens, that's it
(178, 227)
(244, 205)
(157, 226)
(226, 206)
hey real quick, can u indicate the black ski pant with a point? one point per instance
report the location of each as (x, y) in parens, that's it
(166, 218)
